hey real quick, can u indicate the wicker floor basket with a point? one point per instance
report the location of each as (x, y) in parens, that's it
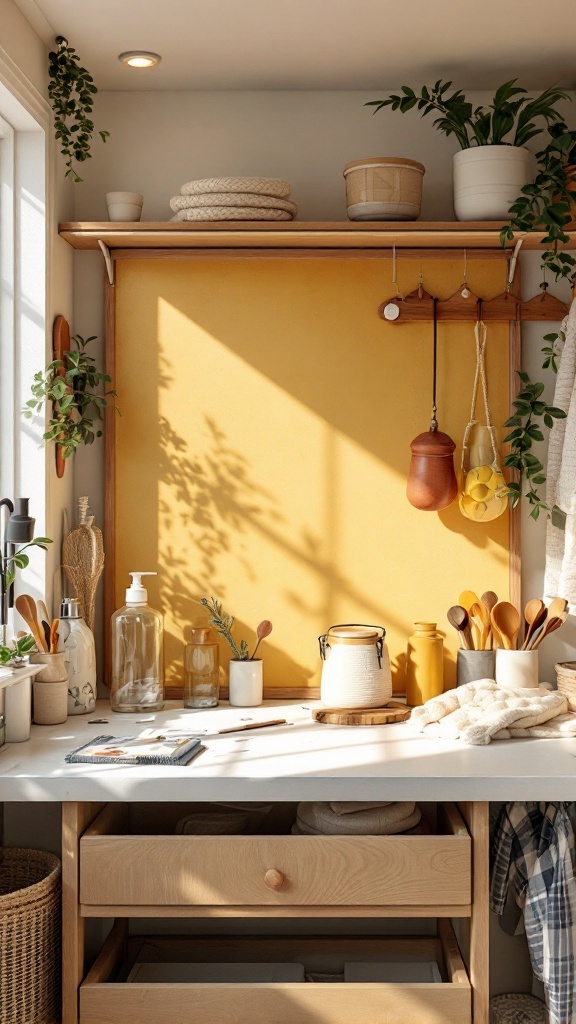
(29, 937)
(517, 1008)
(566, 675)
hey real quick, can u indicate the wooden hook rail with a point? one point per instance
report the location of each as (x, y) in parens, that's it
(464, 306)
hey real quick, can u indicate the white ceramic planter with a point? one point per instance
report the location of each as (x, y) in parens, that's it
(246, 683)
(488, 179)
(517, 670)
(124, 205)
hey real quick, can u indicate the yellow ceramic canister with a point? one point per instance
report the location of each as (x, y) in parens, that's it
(424, 664)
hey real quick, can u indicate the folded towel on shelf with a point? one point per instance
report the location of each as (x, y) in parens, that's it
(318, 818)
(262, 186)
(246, 199)
(482, 711)
(352, 806)
(230, 213)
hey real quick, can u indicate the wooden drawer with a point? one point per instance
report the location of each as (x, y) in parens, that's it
(103, 999)
(119, 870)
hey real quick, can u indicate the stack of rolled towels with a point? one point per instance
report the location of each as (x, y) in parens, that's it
(211, 199)
(357, 819)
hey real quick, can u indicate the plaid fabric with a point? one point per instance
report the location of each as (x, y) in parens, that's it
(533, 863)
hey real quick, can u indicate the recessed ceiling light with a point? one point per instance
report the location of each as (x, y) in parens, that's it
(139, 58)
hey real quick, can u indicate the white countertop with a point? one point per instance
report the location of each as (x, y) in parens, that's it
(300, 761)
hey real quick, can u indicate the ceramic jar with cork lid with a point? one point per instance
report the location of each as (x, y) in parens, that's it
(424, 664)
(201, 670)
(50, 689)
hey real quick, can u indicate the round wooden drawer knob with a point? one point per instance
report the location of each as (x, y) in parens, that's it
(274, 879)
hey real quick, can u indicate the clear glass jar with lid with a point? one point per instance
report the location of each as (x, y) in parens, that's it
(201, 670)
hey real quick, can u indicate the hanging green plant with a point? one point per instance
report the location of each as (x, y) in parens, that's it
(71, 92)
(76, 390)
(528, 421)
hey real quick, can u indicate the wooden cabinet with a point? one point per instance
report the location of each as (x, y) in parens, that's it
(115, 867)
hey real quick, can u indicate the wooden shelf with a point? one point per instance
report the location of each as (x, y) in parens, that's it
(300, 235)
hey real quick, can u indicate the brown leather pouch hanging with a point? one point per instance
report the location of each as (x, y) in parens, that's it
(432, 483)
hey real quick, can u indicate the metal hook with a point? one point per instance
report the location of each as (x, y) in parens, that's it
(391, 309)
(394, 278)
(420, 282)
(513, 260)
(465, 293)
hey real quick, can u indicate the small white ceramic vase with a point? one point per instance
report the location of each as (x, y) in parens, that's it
(517, 670)
(124, 205)
(246, 683)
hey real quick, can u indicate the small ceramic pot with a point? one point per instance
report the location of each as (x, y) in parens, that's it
(473, 665)
(124, 205)
(50, 703)
(517, 670)
(246, 683)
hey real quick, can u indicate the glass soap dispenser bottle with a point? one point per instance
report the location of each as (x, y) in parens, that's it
(137, 658)
(201, 670)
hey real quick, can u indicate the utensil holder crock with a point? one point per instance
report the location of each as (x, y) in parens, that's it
(50, 689)
(517, 670)
(246, 683)
(473, 665)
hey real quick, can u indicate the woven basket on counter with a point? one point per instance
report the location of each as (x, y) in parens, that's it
(566, 675)
(30, 951)
(517, 1008)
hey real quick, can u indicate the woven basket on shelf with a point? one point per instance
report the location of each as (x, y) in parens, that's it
(29, 937)
(517, 1008)
(566, 675)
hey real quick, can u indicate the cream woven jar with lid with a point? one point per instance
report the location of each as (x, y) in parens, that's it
(356, 667)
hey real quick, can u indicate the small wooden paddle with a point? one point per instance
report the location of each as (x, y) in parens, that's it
(535, 613)
(506, 618)
(26, 606)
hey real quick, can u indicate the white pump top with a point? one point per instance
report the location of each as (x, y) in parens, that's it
(137, 594)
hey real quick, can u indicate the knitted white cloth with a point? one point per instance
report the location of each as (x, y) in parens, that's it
(482, 711)
(560, 574)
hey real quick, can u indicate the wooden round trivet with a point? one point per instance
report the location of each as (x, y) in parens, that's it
(393, 712)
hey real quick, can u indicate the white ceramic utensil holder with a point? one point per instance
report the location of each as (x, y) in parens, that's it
(517, 670)
(246, 683)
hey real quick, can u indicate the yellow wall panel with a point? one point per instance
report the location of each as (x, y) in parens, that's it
(263, 448)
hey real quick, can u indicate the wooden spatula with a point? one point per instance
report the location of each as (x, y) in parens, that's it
(26, 605)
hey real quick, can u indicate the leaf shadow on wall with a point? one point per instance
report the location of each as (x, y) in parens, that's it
(215, 503)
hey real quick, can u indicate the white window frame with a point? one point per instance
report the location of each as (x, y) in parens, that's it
(25, 175)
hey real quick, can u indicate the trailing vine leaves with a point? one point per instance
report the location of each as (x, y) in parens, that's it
(77, 391)
(531, 412)
(19, 560)
(547, 203)
(71, 92)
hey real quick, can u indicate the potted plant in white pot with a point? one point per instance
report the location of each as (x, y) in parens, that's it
(493, 163)
(246, 678)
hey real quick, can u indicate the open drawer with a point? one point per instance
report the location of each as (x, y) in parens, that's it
(121, 870)
(105, 996)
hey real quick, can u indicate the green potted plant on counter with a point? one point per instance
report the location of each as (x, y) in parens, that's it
(493, 164)
(246, 678)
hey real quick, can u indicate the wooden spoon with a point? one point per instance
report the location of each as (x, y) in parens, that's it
(467, 599)
(26, 605)
(42, 611)
(535, 613)
(557, 608)
(458, 617)
(488, 600)
(506, 618)
(481, 620)
(54, 636)
(549, 626)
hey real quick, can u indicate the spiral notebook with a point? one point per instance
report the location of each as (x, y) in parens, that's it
(148, 748)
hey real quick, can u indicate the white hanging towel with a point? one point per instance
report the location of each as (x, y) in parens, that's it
(560, 573)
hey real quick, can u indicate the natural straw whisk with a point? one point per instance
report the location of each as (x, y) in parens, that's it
(83, 559)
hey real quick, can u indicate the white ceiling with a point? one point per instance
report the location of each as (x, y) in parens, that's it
(317, 44)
